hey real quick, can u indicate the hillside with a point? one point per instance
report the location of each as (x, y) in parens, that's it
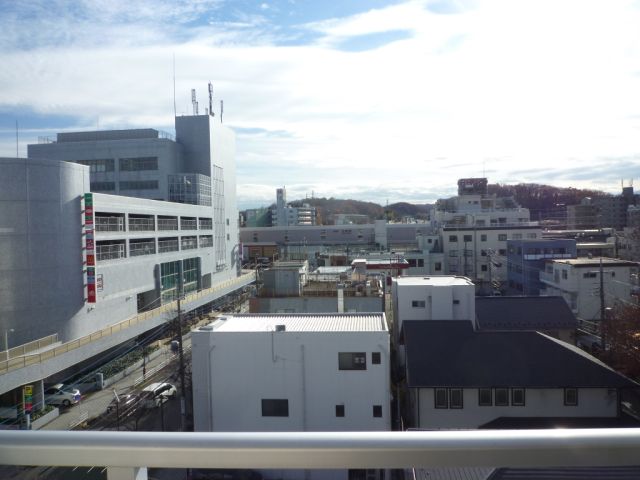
(543, 201)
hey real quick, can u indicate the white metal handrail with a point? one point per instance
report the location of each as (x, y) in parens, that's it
(301, 450)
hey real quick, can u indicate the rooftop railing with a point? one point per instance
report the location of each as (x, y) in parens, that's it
(126, 454)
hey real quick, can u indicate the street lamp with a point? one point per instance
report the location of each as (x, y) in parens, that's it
(6, 337)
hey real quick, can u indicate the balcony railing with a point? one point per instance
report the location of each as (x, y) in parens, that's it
(141, 224)
(127, 454)
(167, 224)
(169, 245)
(188, 224)
(142, 248)
(109, 224)
(109, 252)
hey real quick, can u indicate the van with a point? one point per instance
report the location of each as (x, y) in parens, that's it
(157, 393)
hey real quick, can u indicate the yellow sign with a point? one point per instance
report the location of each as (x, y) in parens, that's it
(28, 390)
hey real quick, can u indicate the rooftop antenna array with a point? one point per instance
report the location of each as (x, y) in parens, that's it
(211, 100)
(194, 103)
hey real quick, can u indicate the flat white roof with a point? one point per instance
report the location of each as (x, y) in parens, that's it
(335, 322)
(435, 280)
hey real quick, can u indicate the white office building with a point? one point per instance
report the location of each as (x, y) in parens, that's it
(315, 372)
(74, 262)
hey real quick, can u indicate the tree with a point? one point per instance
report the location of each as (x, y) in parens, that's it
(621, 330)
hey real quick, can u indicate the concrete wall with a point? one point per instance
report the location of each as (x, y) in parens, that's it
(233, 372)
(41, 282)
(539, 402)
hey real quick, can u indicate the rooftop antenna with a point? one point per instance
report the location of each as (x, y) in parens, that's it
(221, 109)
(194, 104)
(211, 100)
(17, 151)
(174, 86)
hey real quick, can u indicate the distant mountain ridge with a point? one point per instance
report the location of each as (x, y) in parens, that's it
(544, 201)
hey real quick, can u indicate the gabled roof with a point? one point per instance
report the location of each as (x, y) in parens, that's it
(448, 353)
(524, 313)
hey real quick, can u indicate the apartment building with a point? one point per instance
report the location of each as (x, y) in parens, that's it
(283, 214)
(578, 282)
(526, 259)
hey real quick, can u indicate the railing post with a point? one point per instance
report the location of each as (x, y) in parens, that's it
(127, 473)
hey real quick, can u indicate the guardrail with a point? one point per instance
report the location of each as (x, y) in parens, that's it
(27, 360)
(29, 347)
(124, 453)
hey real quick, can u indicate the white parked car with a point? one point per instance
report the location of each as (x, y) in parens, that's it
(60, 395)
(157, 393)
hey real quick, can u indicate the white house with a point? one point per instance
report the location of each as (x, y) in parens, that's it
(279, 372)
(458, 378)
(578, 282)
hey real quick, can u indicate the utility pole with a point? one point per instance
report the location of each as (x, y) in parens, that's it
(183, 412)
(602, 309)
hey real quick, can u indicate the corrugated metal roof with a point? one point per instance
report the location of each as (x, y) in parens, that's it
(345, 322)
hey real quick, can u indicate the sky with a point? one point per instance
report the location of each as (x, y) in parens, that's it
(383, 101)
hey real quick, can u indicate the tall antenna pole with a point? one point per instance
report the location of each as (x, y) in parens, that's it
(211, 100)
(17, 151)
(194, 104)
(174, 85)
(221, 109)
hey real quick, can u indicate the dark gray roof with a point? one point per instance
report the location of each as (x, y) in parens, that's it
(448, 353)
(567, 473)
(524, 313)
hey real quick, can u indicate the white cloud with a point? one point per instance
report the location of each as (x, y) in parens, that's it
(512, 86)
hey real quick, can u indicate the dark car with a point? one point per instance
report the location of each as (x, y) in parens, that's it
(124, 405)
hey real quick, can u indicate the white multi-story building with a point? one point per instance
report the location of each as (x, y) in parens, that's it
(480, 253)
(474, 206)
(74, 262)
(269, 373)
(578, 282)
(283, 214)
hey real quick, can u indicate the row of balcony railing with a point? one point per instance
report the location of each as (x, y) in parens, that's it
(117, 224)
(115, 251)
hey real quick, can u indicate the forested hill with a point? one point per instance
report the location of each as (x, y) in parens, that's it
(544, 201)
(327, 207)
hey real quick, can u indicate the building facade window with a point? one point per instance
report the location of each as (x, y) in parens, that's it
(352, 361)
(376, 358)
(483, 237)
(275, 407)
(418, 303)
(564, 275)
(502, 237)
(102, 186)
(502, 397)
(441, 399)
(453, 238)
(517, 397)
(485, 397)
(468, 238)
(571, 397)
(455, 398)
(98, 165)
(138, 164)
(437, 266)
(339, 410)
(377, 410)
(139, 185)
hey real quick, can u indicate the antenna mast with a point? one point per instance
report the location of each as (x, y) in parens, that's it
(174, 85)
(221, 109)
(211, 100)
(194, 103)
